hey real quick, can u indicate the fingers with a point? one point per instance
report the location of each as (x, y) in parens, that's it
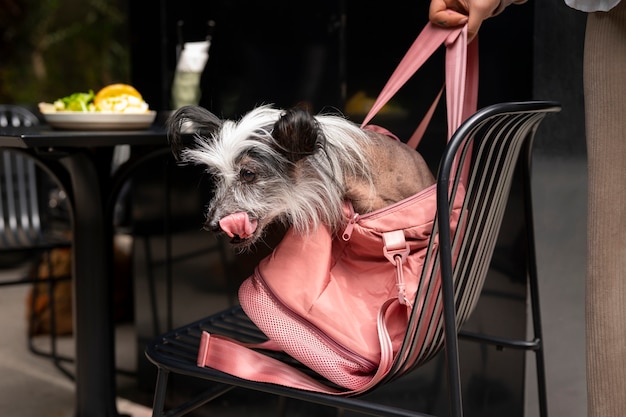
(441, 14)
(473, 25)
(450, 13)
(448, 18)
(480, 10)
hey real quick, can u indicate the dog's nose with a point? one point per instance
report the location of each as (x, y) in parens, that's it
(212, 226)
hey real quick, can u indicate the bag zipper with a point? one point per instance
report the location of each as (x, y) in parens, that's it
(355, 217)
(341, 350)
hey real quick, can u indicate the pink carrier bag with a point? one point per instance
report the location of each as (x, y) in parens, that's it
(339, 304)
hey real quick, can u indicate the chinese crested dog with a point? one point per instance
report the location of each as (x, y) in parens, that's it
(293, 167)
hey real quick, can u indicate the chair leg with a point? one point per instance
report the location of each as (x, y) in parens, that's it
(538, 332)
(533, 284)
(159, 393)
(151, 287)
(53, 353)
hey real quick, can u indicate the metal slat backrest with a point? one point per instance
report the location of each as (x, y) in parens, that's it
(16, 116)
(26, 236)
(494, 138)
(21, 223)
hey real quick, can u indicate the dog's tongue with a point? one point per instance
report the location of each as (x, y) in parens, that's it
(238, 224)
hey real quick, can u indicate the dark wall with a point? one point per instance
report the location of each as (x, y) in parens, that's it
(530, 51)
(276, 51)
(558, 75)
(259, 50)
(322, 53)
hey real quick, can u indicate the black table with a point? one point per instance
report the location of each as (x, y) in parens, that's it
(85, 157)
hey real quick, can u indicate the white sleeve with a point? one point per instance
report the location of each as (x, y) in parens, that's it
(592, 5)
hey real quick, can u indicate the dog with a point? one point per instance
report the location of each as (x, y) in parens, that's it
(293, 167)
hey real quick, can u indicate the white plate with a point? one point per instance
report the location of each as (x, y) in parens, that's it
(100, 121)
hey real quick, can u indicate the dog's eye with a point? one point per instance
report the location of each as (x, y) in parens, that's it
(247, 175)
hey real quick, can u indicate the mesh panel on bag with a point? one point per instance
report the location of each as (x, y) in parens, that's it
(303, 342)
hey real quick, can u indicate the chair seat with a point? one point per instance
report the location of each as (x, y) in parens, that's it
(178, 349)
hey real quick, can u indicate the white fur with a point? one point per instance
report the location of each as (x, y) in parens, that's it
(314, 198)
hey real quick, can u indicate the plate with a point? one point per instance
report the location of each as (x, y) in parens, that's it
(100, 121)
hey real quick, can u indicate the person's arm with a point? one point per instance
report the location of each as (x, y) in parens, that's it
(452, 13)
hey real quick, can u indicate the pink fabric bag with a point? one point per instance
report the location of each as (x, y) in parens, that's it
(340, 304)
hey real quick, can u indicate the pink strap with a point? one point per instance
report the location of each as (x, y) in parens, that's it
(417, 136)
(461, 76)
(238, 359)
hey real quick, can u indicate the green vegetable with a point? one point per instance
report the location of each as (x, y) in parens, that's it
(82, 102)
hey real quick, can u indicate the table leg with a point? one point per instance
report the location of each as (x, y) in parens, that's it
(93, 326)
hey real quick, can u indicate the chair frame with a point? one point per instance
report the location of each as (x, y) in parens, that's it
(495, 138)
(12, 115)
(21, 227)
(22, 230)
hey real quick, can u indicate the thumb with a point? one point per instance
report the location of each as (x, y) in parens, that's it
(473, 26)
(448, 18)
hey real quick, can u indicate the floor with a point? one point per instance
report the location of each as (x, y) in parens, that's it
(32, 387)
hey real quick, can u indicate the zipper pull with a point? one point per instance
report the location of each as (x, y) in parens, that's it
(396, 250)
(347, 233)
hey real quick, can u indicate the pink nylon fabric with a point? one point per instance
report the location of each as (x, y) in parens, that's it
(348, 279)
(323, 309)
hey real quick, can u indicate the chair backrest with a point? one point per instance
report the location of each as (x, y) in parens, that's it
(16, 116)
(20, 222)
(494, 138)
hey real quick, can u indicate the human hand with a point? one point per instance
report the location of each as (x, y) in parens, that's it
(450, 13)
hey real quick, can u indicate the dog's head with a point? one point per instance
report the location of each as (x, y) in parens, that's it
(265, 168)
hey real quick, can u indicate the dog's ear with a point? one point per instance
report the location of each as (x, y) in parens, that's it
(297, 134)
(190, 120)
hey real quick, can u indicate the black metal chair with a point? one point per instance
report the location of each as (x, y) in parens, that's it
(15, 116)
(494, 138)
(26, 230)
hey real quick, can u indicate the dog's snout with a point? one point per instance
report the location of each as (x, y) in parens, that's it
(212, 226)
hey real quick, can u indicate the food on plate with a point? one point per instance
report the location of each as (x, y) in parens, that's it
(114, 98)
(120, 98)
(76, 102)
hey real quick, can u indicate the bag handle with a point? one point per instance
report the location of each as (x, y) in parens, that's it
(461, 77)
(239, 359)
(236, 358)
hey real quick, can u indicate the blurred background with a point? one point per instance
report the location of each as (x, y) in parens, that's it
(50, 49)
(329, 55)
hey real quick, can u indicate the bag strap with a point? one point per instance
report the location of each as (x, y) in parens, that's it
(239, 359)
(461, 78)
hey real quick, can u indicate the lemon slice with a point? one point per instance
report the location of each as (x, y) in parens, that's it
(120, 98)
